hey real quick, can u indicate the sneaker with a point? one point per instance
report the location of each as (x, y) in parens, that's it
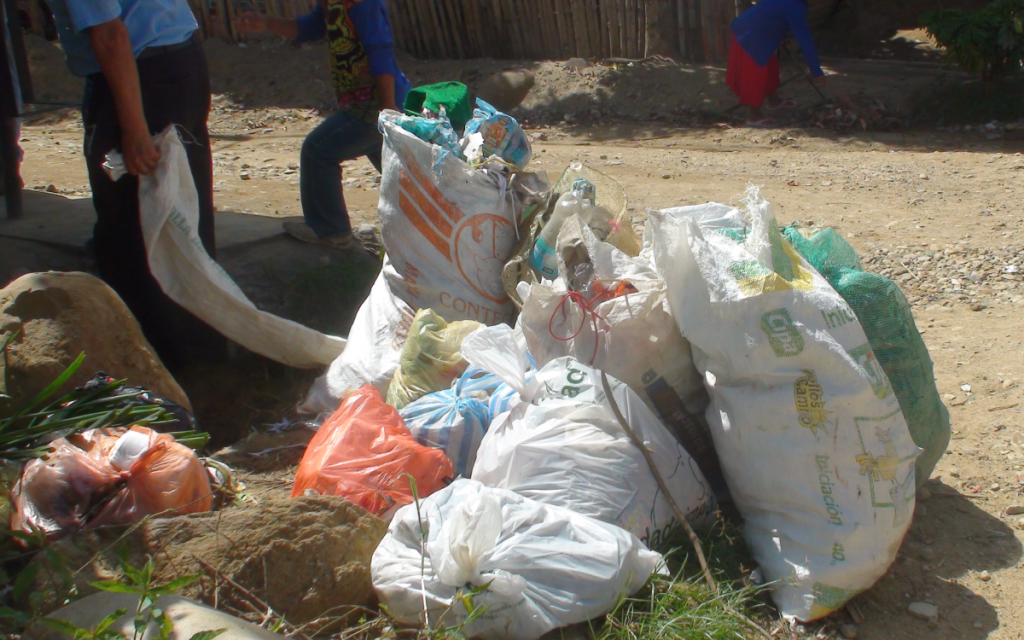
(367, 236)
(299, 230)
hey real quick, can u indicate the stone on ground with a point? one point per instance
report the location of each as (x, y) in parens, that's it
(302, 556)
(506, 90)
(60, 315)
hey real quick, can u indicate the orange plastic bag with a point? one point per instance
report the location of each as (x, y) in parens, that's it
(95, 479)
(363, 453)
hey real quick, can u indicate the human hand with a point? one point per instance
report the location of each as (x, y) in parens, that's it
(140, 153)
(250, 22)
(821, 80)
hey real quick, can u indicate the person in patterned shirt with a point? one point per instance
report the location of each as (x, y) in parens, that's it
(366, 79)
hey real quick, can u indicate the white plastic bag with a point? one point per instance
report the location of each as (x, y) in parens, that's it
(544, 567)
(448, 232)
(375, 342)
(169, 211)
(814, 447)
(631, 336)
(564, 445)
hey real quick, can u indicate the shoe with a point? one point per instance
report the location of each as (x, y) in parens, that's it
(299, 230)
(367, 236)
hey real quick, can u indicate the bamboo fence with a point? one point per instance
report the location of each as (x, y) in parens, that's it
(696, 30)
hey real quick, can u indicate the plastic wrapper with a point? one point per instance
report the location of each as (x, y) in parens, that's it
(493, 133)
(532, 567)
(563, 444)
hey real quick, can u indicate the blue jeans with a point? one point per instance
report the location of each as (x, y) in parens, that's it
(340, 137)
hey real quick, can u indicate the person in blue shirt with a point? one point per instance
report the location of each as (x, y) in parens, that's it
(144, 70)
(366, 79)
(757, 33)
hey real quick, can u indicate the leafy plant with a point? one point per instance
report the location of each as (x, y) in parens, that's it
(138, 582)
(27, 433)
(988, 42)
(43, 584)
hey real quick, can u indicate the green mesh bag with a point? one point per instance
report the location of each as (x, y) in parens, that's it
(885, 315)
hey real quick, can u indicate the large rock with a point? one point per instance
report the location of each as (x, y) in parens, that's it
(303, 556)
(61, 315)
(506, 90)
(188, 618)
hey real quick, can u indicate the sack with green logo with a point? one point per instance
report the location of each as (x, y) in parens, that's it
(884, 313)
(811, 438)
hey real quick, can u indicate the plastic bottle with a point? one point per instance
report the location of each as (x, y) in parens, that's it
(577, 202)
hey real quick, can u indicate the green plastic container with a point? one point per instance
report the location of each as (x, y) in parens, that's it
(453, 96)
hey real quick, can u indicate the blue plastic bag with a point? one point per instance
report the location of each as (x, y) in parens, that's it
(436, 131)
(502, 136)
(456, 419)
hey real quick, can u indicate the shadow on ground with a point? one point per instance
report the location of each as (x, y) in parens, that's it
(950, 539)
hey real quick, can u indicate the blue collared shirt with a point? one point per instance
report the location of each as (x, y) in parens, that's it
(151, 23)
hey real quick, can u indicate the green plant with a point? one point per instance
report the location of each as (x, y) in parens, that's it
(680, 609)
(26, 434)
(136, 582)
(988, 42)
(44, 583)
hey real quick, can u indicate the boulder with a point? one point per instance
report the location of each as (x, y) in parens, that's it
(188, 618)
(506, 90)
(60, 315)
(303, 556)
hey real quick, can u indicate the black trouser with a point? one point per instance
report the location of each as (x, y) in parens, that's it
(175, 90)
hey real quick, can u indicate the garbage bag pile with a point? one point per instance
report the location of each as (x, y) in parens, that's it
(538, 402)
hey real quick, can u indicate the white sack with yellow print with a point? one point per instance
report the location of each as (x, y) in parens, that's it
(812, 441)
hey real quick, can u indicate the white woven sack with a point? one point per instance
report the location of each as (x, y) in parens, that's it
(169, 213)
(447, 227)
(814, 446)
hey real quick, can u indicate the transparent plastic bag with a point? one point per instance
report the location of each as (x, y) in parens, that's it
(430, 359)
(93, 479)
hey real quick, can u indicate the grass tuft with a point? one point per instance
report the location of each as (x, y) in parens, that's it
(683, 609)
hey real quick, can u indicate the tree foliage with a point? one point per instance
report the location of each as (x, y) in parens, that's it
(988, 42)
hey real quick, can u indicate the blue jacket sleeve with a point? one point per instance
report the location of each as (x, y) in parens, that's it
(801, 28)
(370, 18)
(312, 26)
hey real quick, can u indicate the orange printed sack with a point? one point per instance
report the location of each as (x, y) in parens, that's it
(363, 453)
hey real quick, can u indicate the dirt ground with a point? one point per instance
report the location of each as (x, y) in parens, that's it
(940, 210)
